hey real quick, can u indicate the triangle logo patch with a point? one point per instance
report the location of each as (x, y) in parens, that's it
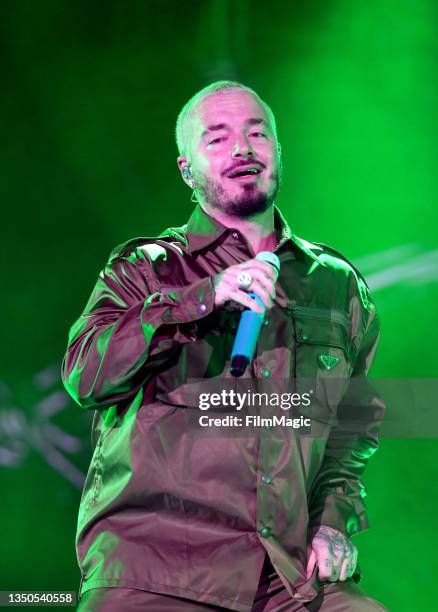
(328, 361)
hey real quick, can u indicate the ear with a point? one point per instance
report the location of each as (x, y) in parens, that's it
(184, 168)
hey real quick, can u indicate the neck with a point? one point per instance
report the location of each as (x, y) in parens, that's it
(258, 230)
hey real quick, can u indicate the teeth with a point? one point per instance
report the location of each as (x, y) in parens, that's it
(246, 171)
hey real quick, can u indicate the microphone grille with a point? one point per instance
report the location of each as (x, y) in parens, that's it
(270, 258)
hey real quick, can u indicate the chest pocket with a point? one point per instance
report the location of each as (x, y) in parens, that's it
(323, 356)
(322, 341)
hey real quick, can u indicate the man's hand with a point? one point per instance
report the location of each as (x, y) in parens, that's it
(264, 277)
(333, 552)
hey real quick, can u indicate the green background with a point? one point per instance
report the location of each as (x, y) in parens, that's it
(90, 95)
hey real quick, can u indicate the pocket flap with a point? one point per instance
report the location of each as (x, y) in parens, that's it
(317, 331)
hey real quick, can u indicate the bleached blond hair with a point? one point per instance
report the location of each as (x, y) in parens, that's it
(186, 115)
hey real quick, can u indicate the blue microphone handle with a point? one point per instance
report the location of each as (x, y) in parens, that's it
(246, 338)
(250, 324)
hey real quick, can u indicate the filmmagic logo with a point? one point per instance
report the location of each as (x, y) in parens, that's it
(254, 421)
(234, 399)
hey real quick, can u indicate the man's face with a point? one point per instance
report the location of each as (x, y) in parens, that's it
(234, 158)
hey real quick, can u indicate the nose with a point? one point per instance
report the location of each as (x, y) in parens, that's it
(242, 147)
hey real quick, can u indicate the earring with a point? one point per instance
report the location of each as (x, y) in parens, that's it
(193, 197)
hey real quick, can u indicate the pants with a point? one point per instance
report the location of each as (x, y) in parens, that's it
(271, 596)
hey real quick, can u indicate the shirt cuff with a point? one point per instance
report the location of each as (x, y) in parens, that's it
(190, 302)
(341, 513)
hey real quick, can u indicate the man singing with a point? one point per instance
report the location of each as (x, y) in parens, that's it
(174, 521)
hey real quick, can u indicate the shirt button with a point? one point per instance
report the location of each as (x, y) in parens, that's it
(266, 322)
(266, 479)
(266, 373)
(235, 235)
(202, 308)
(266, 532)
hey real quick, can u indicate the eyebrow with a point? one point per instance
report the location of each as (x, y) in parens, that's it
(223, 126)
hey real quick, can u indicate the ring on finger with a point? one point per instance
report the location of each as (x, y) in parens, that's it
(244, 280)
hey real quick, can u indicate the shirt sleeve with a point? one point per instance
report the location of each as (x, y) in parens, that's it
(337, 495)
(129, 326)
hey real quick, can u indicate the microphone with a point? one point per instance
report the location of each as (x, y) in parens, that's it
(249, 325)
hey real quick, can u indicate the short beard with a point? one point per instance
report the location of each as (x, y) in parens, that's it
(250, 202)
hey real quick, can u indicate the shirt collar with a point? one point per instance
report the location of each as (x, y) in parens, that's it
(202, 230)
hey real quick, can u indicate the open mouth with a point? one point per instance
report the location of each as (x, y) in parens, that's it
(248, 173)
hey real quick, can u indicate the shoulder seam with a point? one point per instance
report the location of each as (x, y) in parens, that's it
(341, 256)
(122, 249)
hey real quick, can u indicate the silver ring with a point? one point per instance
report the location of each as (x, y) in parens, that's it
(244, 280)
